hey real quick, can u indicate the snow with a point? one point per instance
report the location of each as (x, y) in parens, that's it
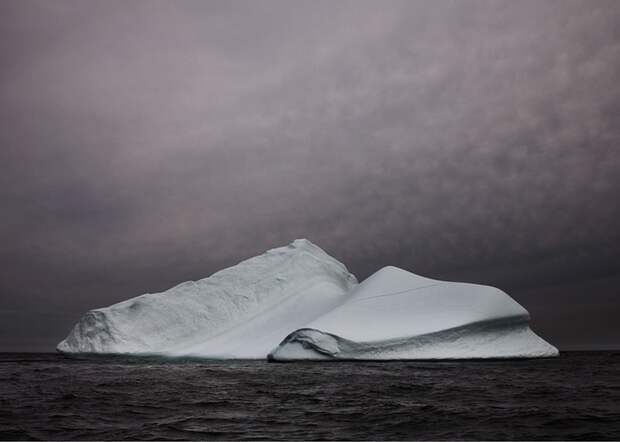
(395, 314)
(297, 302)
(240, 312)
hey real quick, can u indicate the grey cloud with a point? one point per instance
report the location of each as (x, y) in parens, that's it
(148, 142)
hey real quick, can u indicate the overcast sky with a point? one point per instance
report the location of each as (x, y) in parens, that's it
(144, 143)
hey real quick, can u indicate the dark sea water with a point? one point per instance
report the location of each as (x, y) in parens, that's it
(47, 396)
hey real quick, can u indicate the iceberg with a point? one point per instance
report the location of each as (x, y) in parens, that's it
(298, 303)
(395, 314)
(240, 312)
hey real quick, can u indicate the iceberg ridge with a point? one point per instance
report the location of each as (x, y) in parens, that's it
(239, 312)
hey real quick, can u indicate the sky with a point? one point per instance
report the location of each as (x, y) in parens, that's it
(144, 143)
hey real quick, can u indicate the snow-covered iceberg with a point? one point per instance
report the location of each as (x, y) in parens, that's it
(297, 302)
(395, 314)
(240, 312)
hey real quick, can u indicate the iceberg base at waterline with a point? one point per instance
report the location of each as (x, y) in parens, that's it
(485, 340)
(298, 303)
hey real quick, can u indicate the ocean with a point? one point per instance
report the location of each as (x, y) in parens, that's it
(51, 397)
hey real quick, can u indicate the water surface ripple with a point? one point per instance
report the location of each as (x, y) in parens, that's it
(48, 396)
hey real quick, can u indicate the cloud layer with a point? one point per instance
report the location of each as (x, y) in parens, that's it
(149, 142)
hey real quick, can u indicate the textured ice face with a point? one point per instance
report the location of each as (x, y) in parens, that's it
(240, 312)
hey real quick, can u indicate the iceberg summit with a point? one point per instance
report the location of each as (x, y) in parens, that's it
(298, 303)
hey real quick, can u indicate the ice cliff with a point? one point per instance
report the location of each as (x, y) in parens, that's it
(297, 302)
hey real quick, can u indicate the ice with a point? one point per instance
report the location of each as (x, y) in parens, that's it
(297, 302)
(240, 312)
(395, 314)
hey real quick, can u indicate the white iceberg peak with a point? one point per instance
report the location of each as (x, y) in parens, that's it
(239, 312)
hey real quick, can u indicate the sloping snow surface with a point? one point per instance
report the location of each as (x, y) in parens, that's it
(297, 302)
(395, 314)
(240, 312)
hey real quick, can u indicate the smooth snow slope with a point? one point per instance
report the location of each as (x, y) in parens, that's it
(395, 314)
(240, 312)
